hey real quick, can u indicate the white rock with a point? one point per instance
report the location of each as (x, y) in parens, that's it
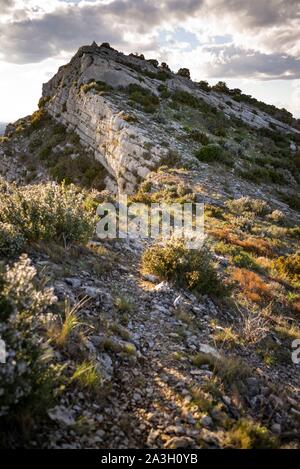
(61, 415)
(204, 348)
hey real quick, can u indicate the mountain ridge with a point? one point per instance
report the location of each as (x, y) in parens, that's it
(149, 344)
(68, 101)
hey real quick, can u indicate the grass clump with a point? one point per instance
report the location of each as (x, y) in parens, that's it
(230, 370)
(187, 268)
(123, 304)
(247, 434)
(61, 333)
(88, 376)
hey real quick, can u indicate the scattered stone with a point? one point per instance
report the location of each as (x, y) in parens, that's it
(206, 421)
(180, 442)
(204, 348)
(62, 416)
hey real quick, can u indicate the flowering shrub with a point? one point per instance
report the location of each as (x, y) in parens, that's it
(48, 212)
(11, 241)
(22, 303)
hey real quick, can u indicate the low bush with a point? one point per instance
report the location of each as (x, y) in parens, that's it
(98, 86)
(188, 99)
(292, 200)
(187, 268)
(289, 266)
(11, 240)
(198, 136)
(259, 246)
(46, 212)
(247, 434)
(26, 378)
(248, 204)
(144, 97)
(213, 152)
(253, 285)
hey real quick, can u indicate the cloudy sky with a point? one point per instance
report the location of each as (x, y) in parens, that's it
(251, 44)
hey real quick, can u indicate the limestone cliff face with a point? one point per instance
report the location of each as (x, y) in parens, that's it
(98, 120)
(129, 149)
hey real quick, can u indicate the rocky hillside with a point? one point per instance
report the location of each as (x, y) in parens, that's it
(130, 343)
(127, 110)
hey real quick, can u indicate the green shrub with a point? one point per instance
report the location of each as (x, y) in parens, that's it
(198, 136)
(245, 260)
(289, 266)
(144, 97)
(25, 378)
(45, 152)
(98, 86)
(213, 152)
(11, 241)
(292, 200)
(187, 268)
(203, 85)
(187, 99)
(164, 91)
(259, 174)
(46, 212)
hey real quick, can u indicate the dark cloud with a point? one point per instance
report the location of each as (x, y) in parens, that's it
(233, 62)
(65, 29)
(274, 21)
(32, 40)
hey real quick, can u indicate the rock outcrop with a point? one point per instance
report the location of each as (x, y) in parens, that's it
(127, 149)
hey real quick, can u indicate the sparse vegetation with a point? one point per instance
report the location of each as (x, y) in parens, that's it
(144, 97)
(88, 376)
(247, 434)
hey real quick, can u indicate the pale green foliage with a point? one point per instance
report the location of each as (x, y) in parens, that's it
(23, 303)
(11, 241)
(46, 212)
(248, 204)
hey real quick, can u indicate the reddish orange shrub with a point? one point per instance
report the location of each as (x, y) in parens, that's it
(257, 245)
(296, 306)
(253, 285)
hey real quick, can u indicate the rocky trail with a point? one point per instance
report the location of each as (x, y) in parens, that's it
(156, 397)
